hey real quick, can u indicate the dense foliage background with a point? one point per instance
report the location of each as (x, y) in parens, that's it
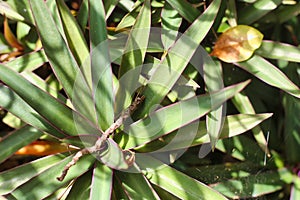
(59, 92)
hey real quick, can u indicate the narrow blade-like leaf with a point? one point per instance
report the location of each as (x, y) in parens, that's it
(233, 125)
(17, 106)
(280, 51)
(136, 185)
(185, 9)
(60, 115)
(170, 118)
(100, 65)
(177, 58)
(102, 182)
(13, 178)
(62, 61)
(271, 75)
(177, 183)
(48, 182)
(16, 140)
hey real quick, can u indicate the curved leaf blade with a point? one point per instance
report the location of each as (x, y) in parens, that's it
(28, 62)
(48, 182)
(280, 51)
(243, 104)
(133, 58)
(81, 187)
(47, 106)
(16, 140)
(13, 178)
(170, 22)
(74, 34)
(171, 67)
(100, 65)
(136, 185)
(62, 61)
(102, 182)
(12, 102)
(214, 119)
(177, 183)
(271, 75)
(233, 125)
(185, 9)
(255, 11)
(170, 118)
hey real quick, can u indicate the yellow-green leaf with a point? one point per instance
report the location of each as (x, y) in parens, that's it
(237, 44)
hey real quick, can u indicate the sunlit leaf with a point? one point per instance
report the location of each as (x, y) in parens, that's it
(47, 182)
(13, 178)
(188, 188)
(114, 156)
(237, 44)
(254, 185)
(7, 10)
(101, 186)
(270, 74)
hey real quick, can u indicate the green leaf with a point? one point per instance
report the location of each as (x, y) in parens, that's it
(12, 121)
(14, 104)
(100, 65)
(47, 181)
(244, 106)
(233, 125)
(129, 19)
(13, 178)
(102, 182)
(16, 140)
(279, 51)
(177, 183)
(133, 58)
(282, 14)
(22, 8)
(41, 83)
(269, 74)
(28, 62)
(52, 7)
(75, 37)
(292, 123)
(114, 157)
(8, 11)
(177, 58)
(62, 61)
(231, 13)
(254, 185)
(168, 119)
(185, 9)
(136, 185)
(257, 10)
(81, 187)
(170, 23)
(110, 5)
(214, 119)
(4, 46)
(242, 148)
(137, 41)
(118, 191)
(83, 15)
(62, 117)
